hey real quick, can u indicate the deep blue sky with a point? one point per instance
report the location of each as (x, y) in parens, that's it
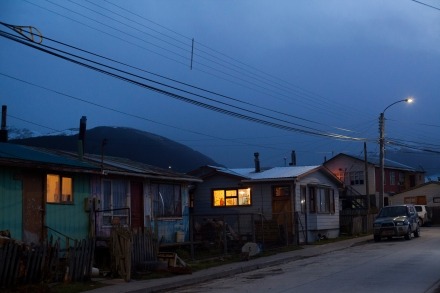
(321, 67)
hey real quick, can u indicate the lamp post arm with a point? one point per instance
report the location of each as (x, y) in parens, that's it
(404, 100)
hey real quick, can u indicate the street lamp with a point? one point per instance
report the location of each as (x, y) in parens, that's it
(382, 149)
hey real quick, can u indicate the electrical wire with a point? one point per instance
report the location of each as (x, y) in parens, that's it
(194, 102)
(174, 95)
(234, 76)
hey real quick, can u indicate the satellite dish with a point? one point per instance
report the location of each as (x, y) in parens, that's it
(251, 248)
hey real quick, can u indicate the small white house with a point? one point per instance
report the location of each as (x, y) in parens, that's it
(303, 200)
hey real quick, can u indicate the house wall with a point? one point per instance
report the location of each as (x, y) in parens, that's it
(241, 219)
(347, 165)
(260, 197)
(167, 228)
(313, 224)
(71, 219)
(11, 201)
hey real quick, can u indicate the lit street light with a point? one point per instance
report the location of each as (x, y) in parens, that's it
(382, 150)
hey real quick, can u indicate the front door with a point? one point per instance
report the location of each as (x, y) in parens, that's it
(282, 212)
(33, 207)
(137, 204)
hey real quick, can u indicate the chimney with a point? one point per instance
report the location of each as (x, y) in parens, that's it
(81, 136)
(293, 159)
(257, 162)
(3, 130)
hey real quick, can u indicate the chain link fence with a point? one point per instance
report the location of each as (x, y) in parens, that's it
(219, 235)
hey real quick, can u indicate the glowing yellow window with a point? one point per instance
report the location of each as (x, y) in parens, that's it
(59, 189)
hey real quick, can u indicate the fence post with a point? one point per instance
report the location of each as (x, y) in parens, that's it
(254, 238)
(191, 234)
(225, 243)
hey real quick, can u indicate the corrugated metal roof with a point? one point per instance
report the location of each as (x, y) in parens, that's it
(268, 174)
(387, 163)
(281, 172)
(122, 165)
(15, 152)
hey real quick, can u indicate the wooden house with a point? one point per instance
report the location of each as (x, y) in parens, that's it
(303, 201)
(42, 193)
(139, 196)
(362, 177)
(424, 194)
(73, 196)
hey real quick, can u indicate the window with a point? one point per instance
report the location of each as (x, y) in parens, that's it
(392, 178)
(341, 175)
(282, 191)
(231, 197)
(167, 200)
(436, 199)
(356, 178)
(401, 178)
(326, 200)
(59, 189)
(115, 202)
(321, 199)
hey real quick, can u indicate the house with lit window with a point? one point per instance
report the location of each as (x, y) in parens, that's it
(361, 176)
(47, 193)
(301, 201)
(42, 194)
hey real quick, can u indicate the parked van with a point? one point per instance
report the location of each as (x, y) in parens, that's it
(425, 214)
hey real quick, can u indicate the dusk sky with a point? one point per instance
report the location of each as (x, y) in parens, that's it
(263, 76)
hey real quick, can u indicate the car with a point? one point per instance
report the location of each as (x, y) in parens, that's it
(397, 221)
(424, 213)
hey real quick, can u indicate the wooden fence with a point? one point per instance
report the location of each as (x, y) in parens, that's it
(80, 260)
(26, 264)
(22, 264)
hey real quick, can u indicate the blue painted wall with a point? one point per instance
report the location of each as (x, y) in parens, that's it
(11, 201)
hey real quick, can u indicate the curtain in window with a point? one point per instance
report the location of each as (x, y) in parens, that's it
(119, 194)
(167, 200)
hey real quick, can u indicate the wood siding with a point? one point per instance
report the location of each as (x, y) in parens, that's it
(11, 201)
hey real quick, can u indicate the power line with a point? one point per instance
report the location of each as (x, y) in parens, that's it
(170, 94)
(82, 100)
(425, 4)
(302, 94)
(307, 130)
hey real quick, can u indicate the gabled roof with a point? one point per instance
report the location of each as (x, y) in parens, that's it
(419, 186)
(276, 172)
(374, 160)
(270, 174)
(15, 154)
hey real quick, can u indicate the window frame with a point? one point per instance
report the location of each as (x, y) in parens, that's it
(171, 203)
(230, 197)
(356, 177)
(392, 178)
(113, 213)
(58, 198)
(321, 199)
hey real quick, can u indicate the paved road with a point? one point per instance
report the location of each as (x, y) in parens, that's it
(388, 266)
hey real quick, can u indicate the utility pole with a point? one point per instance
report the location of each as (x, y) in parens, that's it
(382, 159)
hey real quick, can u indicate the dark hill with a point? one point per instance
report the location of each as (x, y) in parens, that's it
(128, 143)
